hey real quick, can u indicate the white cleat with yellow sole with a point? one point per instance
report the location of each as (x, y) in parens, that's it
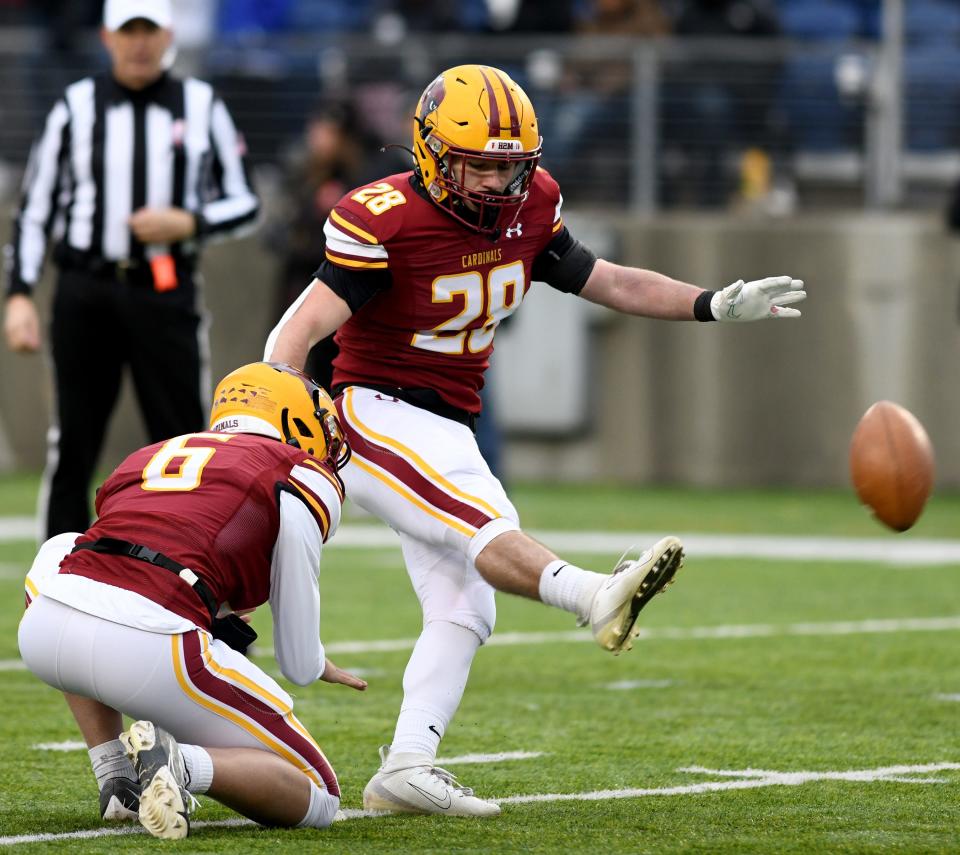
(165, 804)
(621, 596)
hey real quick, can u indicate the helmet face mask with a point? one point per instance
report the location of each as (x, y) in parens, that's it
(276, 400)
(475, 114)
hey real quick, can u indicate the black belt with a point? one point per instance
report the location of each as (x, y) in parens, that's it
(425, 399)
(131, 271)
(230, 629)
(113, 546)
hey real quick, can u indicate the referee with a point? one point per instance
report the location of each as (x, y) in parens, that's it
(133, 172)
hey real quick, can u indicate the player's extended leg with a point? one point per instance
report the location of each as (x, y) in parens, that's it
(425, 477)
(609, 604)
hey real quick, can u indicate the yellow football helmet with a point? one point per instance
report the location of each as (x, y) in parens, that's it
(276, 400)
(475, 112)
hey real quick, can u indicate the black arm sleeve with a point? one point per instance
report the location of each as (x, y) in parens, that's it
(564, 264)
(354, 287)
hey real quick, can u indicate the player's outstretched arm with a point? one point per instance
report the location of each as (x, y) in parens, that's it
(647, 293)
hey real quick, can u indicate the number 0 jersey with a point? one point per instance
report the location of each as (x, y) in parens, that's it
(431, 322)
(210, 501)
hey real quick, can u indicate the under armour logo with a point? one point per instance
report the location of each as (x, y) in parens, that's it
(515, 231)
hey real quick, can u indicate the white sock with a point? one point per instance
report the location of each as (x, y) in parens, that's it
(109, 761)
(199, 768)
(433, 685)
(569, 587)
(322, 809)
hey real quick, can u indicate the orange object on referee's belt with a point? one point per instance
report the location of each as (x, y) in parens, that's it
(164, 273)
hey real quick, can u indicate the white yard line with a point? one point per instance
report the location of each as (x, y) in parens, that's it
(745, 779)
(749, 779)
(756, 630)
(871, 626)
(627, 685)
(120, 831)
(451, 761)
(17, 528)
(889, 550)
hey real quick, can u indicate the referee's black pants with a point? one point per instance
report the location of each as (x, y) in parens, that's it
(99, 325)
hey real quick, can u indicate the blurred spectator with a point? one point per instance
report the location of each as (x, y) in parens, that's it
(317, 174)
(821, 118)
(626, 18)
(594, 98)
(713, 110)
(423, 15)
(534, 16)
(336, 154)
(40, 60)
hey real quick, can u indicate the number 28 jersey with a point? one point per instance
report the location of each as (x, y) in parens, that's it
(440, 289)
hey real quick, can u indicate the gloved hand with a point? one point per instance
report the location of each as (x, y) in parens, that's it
(763, 298)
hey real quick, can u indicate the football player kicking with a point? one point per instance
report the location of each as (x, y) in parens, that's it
(420, 269)
(142, 617)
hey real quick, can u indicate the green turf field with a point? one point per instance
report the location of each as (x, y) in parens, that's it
(749, 672)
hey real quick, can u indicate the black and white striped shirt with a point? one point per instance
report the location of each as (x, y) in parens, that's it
(107, 151)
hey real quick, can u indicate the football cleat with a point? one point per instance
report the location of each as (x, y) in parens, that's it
(165, 804)
(120, 800)
(410, 783)
(628, 589)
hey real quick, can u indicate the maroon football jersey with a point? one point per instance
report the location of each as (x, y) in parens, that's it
(434, 327)
(209, 501)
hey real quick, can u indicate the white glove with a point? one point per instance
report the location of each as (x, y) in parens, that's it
(753, 301)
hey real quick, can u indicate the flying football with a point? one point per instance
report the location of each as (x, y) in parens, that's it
(891, 464)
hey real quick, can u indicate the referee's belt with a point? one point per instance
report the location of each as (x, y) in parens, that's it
(230, 629)
(131, 271)
(425, 399)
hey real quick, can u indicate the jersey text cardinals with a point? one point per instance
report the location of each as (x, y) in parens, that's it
(433, 327)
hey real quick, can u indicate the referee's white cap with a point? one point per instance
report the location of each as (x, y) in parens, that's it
(116, 13)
